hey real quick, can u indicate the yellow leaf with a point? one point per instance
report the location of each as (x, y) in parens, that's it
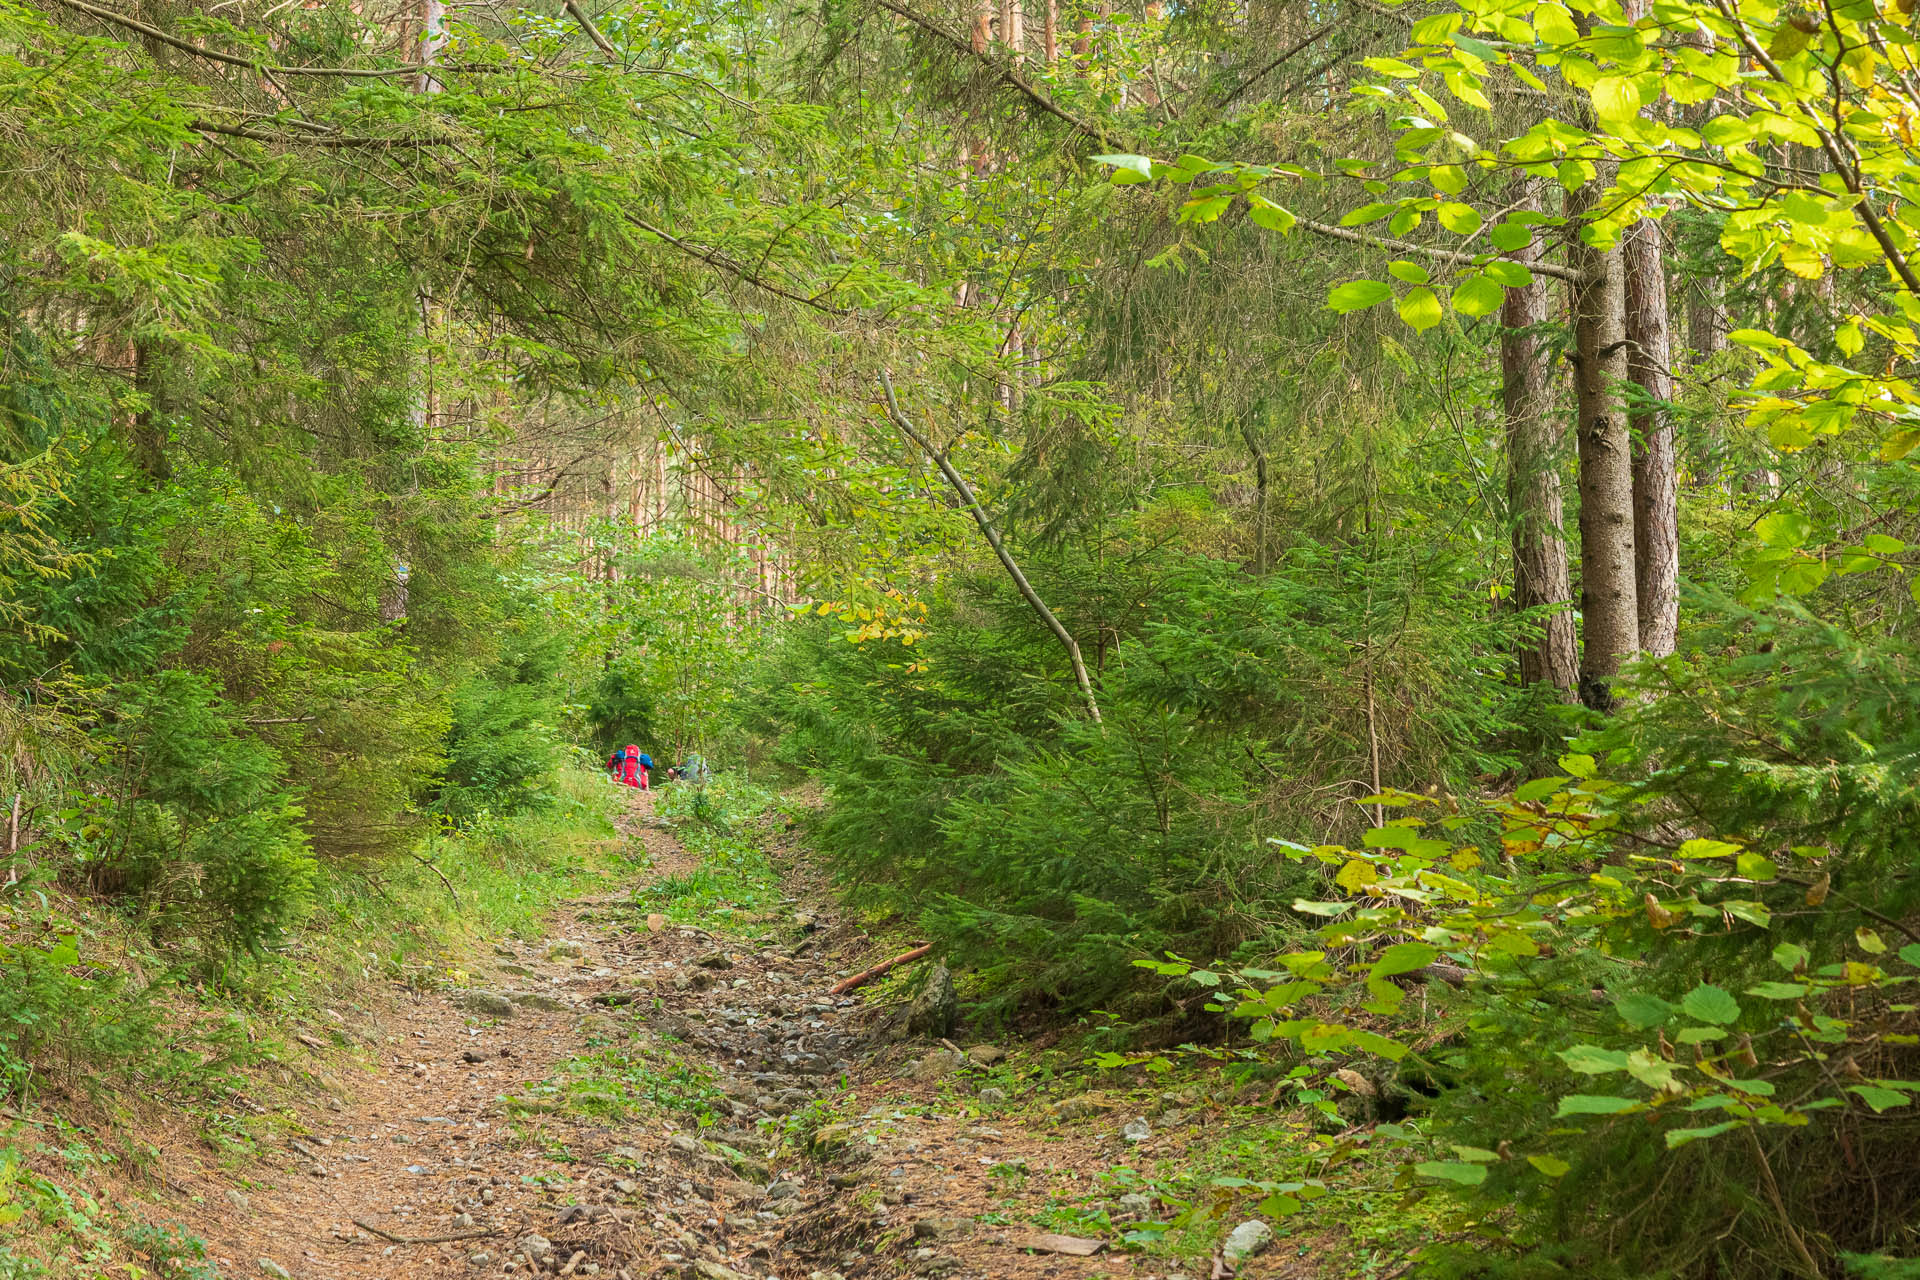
(1356, 875)
(1658, 916)
(1802, 261)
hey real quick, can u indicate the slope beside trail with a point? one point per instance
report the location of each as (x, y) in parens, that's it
(830, 1147)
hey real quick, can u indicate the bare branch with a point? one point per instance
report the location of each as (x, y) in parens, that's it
(979, 514)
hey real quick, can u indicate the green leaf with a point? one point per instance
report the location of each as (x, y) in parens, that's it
(1587, 1104)
(1411, 272)
(1508, 236)
(1357, 295)
(1591, 1060)
(1552, 1166)
(1478, 295)
(1404, 957)
(1755, 866)
(1470, 1175)
(1128, 164)
(1784, 529)
(1878, 1098)
(1791, 955)
(1910, 953)
(1615, 98)
(1788, 42)
(1420, 309)
(1778, 990)
(1643, 1011)
(1270, 215)
(1366, 213)
(1539, 788)
(1461, 219)
(1321, 908)
(1681, 1137)
(1869, 941)
(1554, 25)
(1709, 1003)
(1435, 29)
(1707, 849)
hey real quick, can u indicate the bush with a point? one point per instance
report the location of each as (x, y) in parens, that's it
(968, 789)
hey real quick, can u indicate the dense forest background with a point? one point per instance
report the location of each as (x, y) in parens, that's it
(1376, 535)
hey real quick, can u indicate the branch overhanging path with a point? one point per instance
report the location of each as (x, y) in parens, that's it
(992, 535)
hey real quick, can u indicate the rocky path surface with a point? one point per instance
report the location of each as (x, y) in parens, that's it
(628, 1098)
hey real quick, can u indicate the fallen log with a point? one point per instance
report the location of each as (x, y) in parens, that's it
(865, 976)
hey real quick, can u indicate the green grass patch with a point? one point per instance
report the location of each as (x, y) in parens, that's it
(627, 1081)
(721, 824)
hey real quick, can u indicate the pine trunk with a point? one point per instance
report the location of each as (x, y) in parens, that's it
(1540, 571)
(1656, 490)
(1610, 613)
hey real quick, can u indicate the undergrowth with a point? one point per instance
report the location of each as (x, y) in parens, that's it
(95, 1023)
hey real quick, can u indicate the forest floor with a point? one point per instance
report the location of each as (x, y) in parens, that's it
(648, 1092)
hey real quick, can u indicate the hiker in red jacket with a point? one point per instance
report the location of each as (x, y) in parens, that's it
(630, 768)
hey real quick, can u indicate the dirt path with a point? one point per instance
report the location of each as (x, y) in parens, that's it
(628, 1098)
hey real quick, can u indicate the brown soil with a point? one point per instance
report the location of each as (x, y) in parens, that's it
(426, 1168)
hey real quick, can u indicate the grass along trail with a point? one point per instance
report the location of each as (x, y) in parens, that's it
(663, 1086)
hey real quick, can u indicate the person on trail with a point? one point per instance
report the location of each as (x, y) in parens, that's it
(616, 764)
(631, 768)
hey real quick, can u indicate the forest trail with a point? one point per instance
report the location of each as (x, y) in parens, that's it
(510, 1125)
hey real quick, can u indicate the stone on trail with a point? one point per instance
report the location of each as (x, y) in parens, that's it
(936, 1065)
(940, 1228)
(656, 923)
(535, 1245)
(1246, 1240)
(935, 1008)
(541, 1001)
(715, 960)
(1136, 1204)
(488, 1004)
(1079, 1107)
(708, 1269)
(268, 1267)
(1072, 1246)
(986, 1055)
(991, 1097)
(1136, 1130)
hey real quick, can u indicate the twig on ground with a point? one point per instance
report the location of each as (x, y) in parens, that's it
(388, 1235)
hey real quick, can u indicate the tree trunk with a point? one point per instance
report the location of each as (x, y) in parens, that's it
(1610, 614)
(1656, 491)
(1540, 573)
(150, 425)
(1050, 35)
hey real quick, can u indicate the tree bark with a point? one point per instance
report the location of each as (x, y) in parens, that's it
(1540, 572)
(150, 429)
(1050, 35)
(1656, 490)
(1610, 614)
